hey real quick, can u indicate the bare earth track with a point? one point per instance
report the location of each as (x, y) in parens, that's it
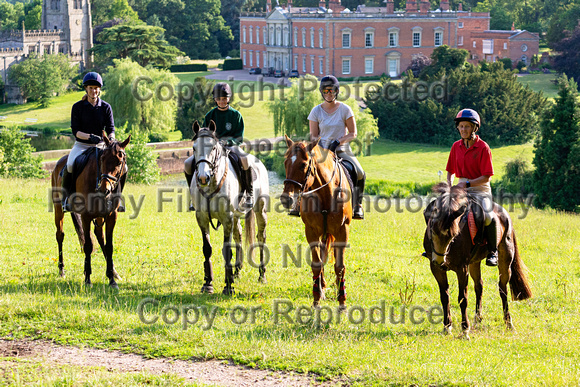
(211, 372)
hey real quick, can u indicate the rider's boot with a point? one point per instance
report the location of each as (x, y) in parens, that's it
(68, 189)
(357, 198)
(189, 178)
(491, 235)
(249, 188)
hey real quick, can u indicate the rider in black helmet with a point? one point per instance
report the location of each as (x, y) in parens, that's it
(230, 129)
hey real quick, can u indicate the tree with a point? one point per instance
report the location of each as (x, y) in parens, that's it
(443, 59)
(141, 98)
(140, 43)
(569, 59)
(141, 159)
(16, 155)
(557, 151)
(11, 15)
(561, 22)
(40, 78)
(33, 15)
(418, 63)
(195, 108)
(104, 10)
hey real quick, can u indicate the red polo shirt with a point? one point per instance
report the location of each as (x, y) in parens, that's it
(470, 163)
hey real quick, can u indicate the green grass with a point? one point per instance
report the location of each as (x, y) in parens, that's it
(159, 255)
(541, 82)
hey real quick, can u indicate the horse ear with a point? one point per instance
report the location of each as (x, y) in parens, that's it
(126, 142)
(212, 127)
(195, 127)
(106, 139)
(441, 188)
(312, 145)
(289, 141)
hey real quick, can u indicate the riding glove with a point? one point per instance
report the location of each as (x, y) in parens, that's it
(333, 145)
(94, 139)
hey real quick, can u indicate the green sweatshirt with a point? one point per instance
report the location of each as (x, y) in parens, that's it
(229, 125)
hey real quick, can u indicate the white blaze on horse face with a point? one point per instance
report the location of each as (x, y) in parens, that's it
(293, 159)
(203, 147)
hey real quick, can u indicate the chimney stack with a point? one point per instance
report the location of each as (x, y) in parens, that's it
(390, 6)
(425, 5)
(268, 5)
(444, 5)
(460, 7)
(411, 6)
(321, 4)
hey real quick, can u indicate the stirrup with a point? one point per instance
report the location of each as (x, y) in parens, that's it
(294, 211)
(66, 205)
(191, 207)
(121, 208)
(358, 213)
(491, 259)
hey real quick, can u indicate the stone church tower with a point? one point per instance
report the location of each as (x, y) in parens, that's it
(73, 18)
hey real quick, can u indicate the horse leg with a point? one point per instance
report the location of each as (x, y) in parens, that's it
(108, 250)
(227, 254)
(441, 277)
(475, 272)
(505, 259)
(317, 267)
(339, 269)
(59, 222)
(87, 248)
(237, 234)
(76, 219)
(462, 282)
(262, 220)
(207, 268)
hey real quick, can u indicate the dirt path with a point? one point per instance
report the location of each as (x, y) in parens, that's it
(212, 372)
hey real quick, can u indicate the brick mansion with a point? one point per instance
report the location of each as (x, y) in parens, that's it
(372, 41)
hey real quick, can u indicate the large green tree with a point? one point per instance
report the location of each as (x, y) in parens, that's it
(557, 153)
(140, 43)
(104, 10)
(142, 98)
(40, 78)
(568, 61)
(199, 102)
(11, 15)
(16, 159)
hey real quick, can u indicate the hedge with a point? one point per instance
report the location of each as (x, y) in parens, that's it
(233, 64)
(185, 68)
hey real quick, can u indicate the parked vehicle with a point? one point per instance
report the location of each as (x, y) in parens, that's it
(293, 74)
(256, 70)
(279, 74)
(268, 72)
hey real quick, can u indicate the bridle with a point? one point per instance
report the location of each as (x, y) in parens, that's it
(107, 177)
(311, 170)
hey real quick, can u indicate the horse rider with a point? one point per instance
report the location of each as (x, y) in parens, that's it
(230, 129)
(470, 160)
(333, 123)
(89, 118)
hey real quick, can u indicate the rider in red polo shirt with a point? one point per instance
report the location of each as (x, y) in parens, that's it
(470, 161)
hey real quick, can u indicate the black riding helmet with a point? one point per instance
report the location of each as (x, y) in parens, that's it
(222, 89)
(329, 81)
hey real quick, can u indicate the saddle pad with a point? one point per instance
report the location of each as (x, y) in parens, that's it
(235, 161)
(472, 226)
(349, 171)
(83, 159)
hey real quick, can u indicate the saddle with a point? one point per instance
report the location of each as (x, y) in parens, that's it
(475, 221)
(82, 160)
(349, 171)
(236, 164)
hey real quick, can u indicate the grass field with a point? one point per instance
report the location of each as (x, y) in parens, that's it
(158, 254)
(541, 82)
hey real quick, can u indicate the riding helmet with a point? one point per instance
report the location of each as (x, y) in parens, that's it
(222, 89)
(329, 81)
(92, 79)
(468, 115)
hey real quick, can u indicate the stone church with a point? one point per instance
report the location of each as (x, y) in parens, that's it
(66, 29)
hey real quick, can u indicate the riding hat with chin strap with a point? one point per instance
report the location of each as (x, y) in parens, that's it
(468, 115)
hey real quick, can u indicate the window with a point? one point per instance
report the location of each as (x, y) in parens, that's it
(251, 59)
(438, 37)
(265, 33)
(295, 62)
(488, 46)
(244, 35)
(369, 39)
(77, 4)
(417, 31)
(286, 37)
(505, 46)
(321, 38)
(257, 35)
(278, 36)
(524, 59)
(312, 64)
(346, 65)
(265, 59)
(303, 37)
(321, 62)
(460, 25)
(244, 57)
(393, 38)
(295, 37)
(369, 65)
(524, 47)
(303, 64)
(272, 40)
(460, 41)
(257, 58)
(346, 39)
(251, 35)
(312, 38)
(474, 44)
(393, 63)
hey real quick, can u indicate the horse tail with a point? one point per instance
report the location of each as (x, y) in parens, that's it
(76, 219)
(329, 244)
(250, 231)
(519, 284)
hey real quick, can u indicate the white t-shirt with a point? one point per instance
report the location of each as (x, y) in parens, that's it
(331, 126)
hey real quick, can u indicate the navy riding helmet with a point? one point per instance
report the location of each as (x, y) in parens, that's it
(92, 79)
(468, 115)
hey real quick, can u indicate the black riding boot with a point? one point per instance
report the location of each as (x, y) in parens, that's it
(491, 235)
(119, 192)
(249, 188)
(189, 178)
(68, 188)
(357, 198)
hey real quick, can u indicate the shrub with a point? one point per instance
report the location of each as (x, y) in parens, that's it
(233, 64)
(184, 68)
(518, 177)
(507, 63)
(17, 158)
(141, 159)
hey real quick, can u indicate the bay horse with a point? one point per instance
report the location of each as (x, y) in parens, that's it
(449, 245)
(325, 208)
(216, 192)
(93, 201)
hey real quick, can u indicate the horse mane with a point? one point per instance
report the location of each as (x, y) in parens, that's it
(449, 206)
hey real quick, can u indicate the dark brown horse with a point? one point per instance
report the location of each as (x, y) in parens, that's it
(326, 210)
(93, 201)
(448, 243)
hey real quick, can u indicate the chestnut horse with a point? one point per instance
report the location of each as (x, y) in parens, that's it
(325, 208)
(93, 201)
(449, 245)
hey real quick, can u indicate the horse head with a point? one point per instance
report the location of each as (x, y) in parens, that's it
(206, 152)
(299, 164)
(442, 217)
(112, 165)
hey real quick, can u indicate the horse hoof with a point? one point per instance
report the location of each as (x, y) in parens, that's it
(116, 275)
(228, 291)
(114, 286)
(236, 273)
(316, 305)
(61, 273)
(447, 330)
(464, 335)
(88, 285)
(207, 289)
(342, 308)
(262, 279)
